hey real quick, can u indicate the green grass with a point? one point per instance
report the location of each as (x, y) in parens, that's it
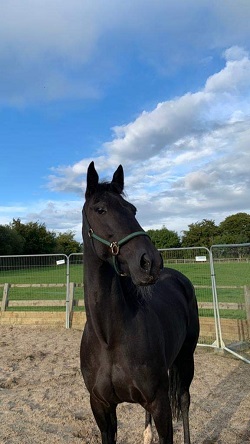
(33, 293)
(35, 275)
(42, 275)
(234, 273)
(224, 295)
(29, 308)
(198, 273)
(237, 273)
(226, 314)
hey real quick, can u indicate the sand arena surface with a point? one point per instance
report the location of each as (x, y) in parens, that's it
(43, 398)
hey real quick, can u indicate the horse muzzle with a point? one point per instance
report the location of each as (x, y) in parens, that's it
(150, 267)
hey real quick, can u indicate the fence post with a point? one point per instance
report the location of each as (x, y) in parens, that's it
(218, 342)
(71, 301)
(67, 294)
(247, 303)
(5, 296)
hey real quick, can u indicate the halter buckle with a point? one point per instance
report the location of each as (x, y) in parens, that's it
(114, 247)
(90, 232)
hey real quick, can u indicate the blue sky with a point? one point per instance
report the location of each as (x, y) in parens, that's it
(161, 87)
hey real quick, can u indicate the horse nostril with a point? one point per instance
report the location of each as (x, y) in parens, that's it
(145, 263)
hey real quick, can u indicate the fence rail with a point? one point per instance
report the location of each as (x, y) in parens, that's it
(221, 277)
(57, 302)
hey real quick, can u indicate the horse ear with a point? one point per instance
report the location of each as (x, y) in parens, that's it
(92, 180)
(118, 178)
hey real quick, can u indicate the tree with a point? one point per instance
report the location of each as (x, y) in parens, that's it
(11, 242)
(235, 229)
(200, 234)
(164, 238)
(38, 240)
(66, 244)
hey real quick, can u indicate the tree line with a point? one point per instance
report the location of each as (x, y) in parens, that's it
(34, 238)
(234, 229)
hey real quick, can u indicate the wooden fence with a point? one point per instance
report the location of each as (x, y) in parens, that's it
(28, 316)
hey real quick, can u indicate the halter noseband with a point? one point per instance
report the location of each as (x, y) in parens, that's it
(114, 246)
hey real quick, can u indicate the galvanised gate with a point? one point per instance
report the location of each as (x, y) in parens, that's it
(32, 285)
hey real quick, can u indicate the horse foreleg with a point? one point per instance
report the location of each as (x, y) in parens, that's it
(106, 420)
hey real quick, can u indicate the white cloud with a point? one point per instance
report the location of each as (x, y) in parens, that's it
(153, 131)
(188, 157)
(198, 180)
(234, 78)
(235, 53)
(58, 216)
(174, 123)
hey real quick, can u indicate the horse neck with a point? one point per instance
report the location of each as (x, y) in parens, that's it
(106, 306)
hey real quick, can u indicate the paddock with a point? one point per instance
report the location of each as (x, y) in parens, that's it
(43, 398)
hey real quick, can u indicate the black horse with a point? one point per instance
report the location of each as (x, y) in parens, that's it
(142, 321)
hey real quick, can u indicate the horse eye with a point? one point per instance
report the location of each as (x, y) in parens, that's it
(100, 210)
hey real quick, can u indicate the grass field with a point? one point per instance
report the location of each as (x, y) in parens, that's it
(234, 273)
(42, 275)
(227, 274)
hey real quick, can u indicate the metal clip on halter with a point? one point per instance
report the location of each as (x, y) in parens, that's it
(114, 247)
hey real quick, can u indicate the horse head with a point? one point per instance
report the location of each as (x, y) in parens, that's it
(111, 229)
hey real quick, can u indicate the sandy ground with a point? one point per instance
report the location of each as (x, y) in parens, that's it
(43, 398)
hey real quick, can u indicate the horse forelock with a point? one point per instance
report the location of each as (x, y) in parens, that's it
(111, 187)
(102, 187)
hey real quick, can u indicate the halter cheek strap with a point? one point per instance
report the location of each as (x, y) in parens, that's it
(114, 246)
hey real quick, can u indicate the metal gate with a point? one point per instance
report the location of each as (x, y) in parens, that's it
(221, 277)
(195, 263)
(231, 264)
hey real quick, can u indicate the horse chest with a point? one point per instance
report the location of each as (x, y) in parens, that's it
(135, 384)
(119, 376)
